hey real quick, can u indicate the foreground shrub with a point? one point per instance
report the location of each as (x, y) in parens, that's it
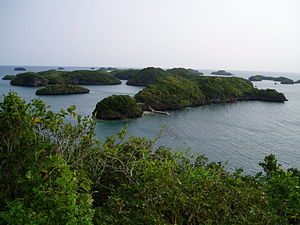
(54, 171)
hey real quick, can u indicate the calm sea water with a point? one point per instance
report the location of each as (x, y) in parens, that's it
(238, 133)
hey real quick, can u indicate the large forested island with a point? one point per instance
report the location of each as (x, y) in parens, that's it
(171, 92)
(64, 77)
(178, 92)
(61, 89)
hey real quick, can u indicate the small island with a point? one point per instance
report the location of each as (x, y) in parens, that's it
(61, 68)
(8, 77)
(222, 72)
(117, 107)
(282, 80)
(61, 89)
(20, 69)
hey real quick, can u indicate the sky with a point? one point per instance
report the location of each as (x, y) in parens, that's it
(257, 35)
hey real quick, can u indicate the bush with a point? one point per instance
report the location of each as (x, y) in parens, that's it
(53, 171)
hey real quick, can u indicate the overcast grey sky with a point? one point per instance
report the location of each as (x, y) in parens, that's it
(212, 34)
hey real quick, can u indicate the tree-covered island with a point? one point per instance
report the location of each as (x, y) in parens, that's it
(171, 92)
(151, 75)
(222, 72)
(117, 107)
(176, 92)
(76, 77)
(8, 77)
(61, 89)
(282, 80)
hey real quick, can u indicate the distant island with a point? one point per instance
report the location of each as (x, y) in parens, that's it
(20, 69)
(108, 68)
(282, 80)
(76, 77)
(117, 107)
(222, 72)
(61, 89)
(172, 92)
(61, 68)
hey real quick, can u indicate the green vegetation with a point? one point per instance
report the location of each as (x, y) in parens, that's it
(282, 80)
(53, 171)
(222, 72)
(117, 107)
(147, 76)
(29, 79)
(178, 92)
(61, 89)
(124, 74)
(89, 77)
(172, 92)
(152, 75)
(63, 77)
(8, 77)
(187, 73)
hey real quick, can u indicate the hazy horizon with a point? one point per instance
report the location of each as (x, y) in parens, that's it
(202, 34)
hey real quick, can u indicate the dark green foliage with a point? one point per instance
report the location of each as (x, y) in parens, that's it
(195, 71)
(41, 159)
(29, 79)
(53, 171)
(222, 72)
(147, 76)
(61, 89)
(187, 73)
(63, 77)
(124, 74)
(269, 95)
(8, 77)
(89, 77)
(117, 107)
(152, 75)
(174, 92)
(282, 80)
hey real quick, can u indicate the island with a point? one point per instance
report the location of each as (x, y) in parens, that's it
(20, 69)
(282, 80)
(187, 73)
(173, 93)
(117, 107)
(61, 68)
(29, 79)
(8, 77)
(124, 74)
(152, 75)
(61, 89)
(76, 77)
(222, 72)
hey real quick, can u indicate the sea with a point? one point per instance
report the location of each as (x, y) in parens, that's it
(238, 134)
